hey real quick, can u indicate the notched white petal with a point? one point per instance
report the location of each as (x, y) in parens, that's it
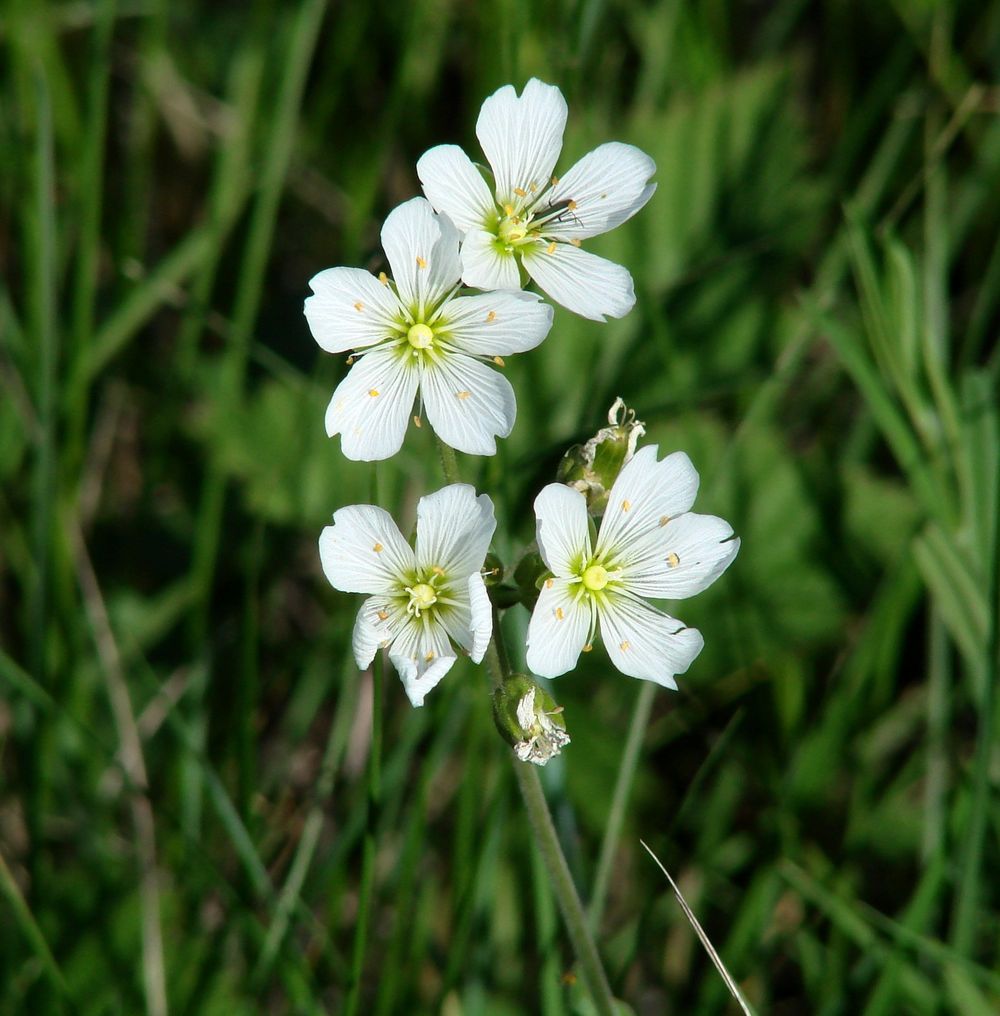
(454, 186)
(422, 249)
(468, 404)
(584, 283)
(522, 137)
(422, 655)
(607, 187)
(498, 323)
(484, 266)
(454, 529)
(371, 407)
(558, 629)
(350, 309)
(363, 551)
(562, 528)
(645, 643)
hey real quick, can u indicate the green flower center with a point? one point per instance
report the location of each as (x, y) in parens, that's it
(420, 336)
(596, 577)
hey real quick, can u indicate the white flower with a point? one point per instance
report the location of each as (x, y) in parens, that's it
(423, 598)
(649, 544)
(531, 214)
(414, 334)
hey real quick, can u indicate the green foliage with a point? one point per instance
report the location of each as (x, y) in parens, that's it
(184, 739)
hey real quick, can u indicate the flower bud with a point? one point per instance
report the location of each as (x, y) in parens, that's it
(592, 468)
(529, 720)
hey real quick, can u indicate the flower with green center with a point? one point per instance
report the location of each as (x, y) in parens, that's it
(413, 335)
(423, 598)
(650, 544)
(531, 218)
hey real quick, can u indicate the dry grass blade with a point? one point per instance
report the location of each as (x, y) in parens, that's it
(700, 932)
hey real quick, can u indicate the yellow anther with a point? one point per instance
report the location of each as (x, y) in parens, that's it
(548, 583)
(575, 242)
(491, 317)
(551, 249)
(421, 263)
(359, 306)
(588, 648)
(673, 560)
(416, 422)
(429, 656)
(378, 548)
(555, 181)
(508, 209)
(383, 278)
(532, 186)
(498, 360)
(463, 395)
(559, 614)
(626, 505)
(520, 192)
(623, 646)
(438, 570)
(664, 519)
(383, 615)
(349, 361)
(373, 392)
(571, 205)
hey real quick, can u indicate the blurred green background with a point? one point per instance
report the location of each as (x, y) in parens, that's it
(183, 734)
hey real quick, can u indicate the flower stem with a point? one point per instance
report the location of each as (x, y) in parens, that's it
(547, 842)
(365, 892)
(540, 818)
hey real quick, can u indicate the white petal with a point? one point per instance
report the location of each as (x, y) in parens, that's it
(454, 186)
(496, 323)
(584, 283)
(522, 137)
(482, 617)
(378, 622)
(373, 425)
(422, 249)
(558, 630)
(562, 528)
(454, 529)
(351, 309)
(682, 557)
(467, 403)
(643, 642)
(646, 494)
(363, 551)
(422, 655)
(607, 186)
(485, 265)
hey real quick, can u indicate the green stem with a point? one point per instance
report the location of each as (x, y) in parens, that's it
(623, 788)
(365, 893)
(449, 462)
(547, 842)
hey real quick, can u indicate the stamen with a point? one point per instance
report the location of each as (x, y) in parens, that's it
(551, 249)
(520, 192)
(624, 647)
(559, 614)
(350, 360)
(673, 560)
(509, 209)
(571, 205)
(383, 278)
(416, 422)
(429, 656)
(548, 583)
(378, 548)
(588, 648)
(664, 519)
(421, 263)
(626, 505)
(359, 306)
(463, 395)
(575, 242)
(498, 360)
(383, 615)
(373, 392)
(491, 317)
(555, 181)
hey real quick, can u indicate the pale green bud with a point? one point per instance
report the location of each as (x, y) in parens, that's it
(592, 468)
(529, 720)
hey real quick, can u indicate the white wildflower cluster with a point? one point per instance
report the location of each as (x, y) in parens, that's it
(429, 342)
